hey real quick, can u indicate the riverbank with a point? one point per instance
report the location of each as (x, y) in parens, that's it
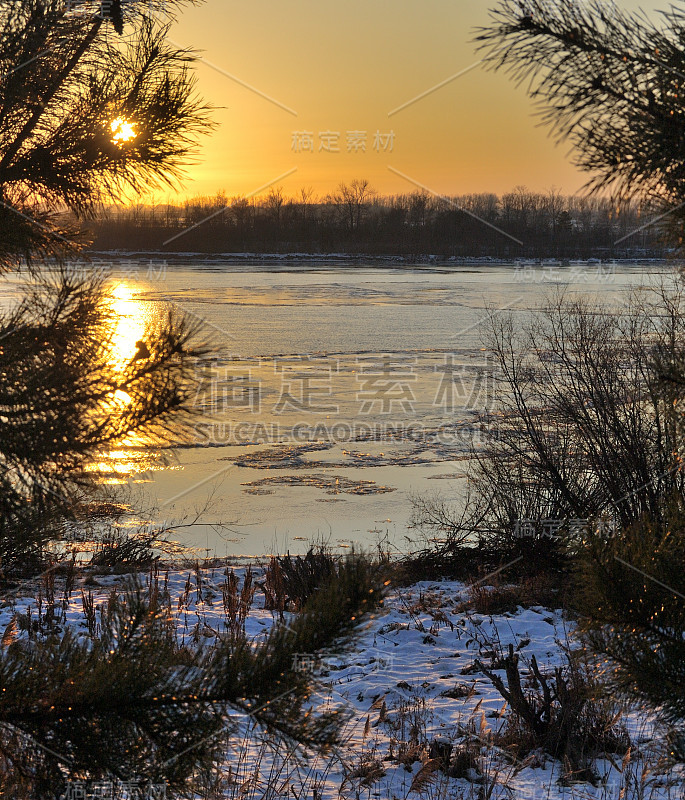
(414, 679)
(200, 259)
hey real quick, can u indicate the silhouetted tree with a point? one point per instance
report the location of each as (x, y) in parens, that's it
(67, 394)
(84, 116)
(608, 80)
(403, 225)
(352, 199)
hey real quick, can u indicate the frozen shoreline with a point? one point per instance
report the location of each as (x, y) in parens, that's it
(303, 260)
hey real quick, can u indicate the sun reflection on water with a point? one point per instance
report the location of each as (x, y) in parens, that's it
(130, 323)
(131, 320)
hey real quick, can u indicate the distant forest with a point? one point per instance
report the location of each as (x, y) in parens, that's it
(355, 220)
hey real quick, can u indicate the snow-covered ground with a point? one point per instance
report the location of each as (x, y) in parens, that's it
(409, 680)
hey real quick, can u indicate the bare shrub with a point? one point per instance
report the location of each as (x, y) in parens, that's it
(237, 602)
(562, 713)
(121, 551)
(538, 590)
(273, 587)
(585, 431)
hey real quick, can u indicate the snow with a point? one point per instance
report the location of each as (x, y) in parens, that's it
(393, 676)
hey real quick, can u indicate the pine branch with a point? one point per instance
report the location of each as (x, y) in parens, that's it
(607, 80)
(90, 702)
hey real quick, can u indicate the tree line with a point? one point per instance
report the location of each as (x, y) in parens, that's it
(590, 419)
(355, 220)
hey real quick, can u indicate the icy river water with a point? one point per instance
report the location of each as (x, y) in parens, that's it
(338, 392)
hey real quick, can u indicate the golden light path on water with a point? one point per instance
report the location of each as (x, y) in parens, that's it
(132, 317)
(131, 322)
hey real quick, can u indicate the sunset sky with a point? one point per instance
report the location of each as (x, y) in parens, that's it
(343, 68)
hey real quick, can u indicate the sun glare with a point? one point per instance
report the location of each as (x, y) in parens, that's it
(122, 131)
(130, 324)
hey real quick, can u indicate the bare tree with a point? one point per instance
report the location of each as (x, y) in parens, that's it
(274, 203)
(584, 424)
(353, 199)
(554, 206)
(306, 198)
(419, 203)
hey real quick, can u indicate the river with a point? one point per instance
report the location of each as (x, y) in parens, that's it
(338, 392)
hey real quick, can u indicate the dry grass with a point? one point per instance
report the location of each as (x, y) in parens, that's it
(495, 598)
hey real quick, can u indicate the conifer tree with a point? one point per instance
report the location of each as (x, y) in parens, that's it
(611, 82)
(87, 113)
(95, 102)
(137, 703)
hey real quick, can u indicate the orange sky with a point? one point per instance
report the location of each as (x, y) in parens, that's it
(344, 67)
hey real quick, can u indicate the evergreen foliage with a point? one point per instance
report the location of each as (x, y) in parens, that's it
(633, 601)
(135, 702)
(71, 83)
(64, 399)
(68, 78)
(608, 80)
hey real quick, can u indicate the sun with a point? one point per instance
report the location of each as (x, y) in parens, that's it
(122, 130)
